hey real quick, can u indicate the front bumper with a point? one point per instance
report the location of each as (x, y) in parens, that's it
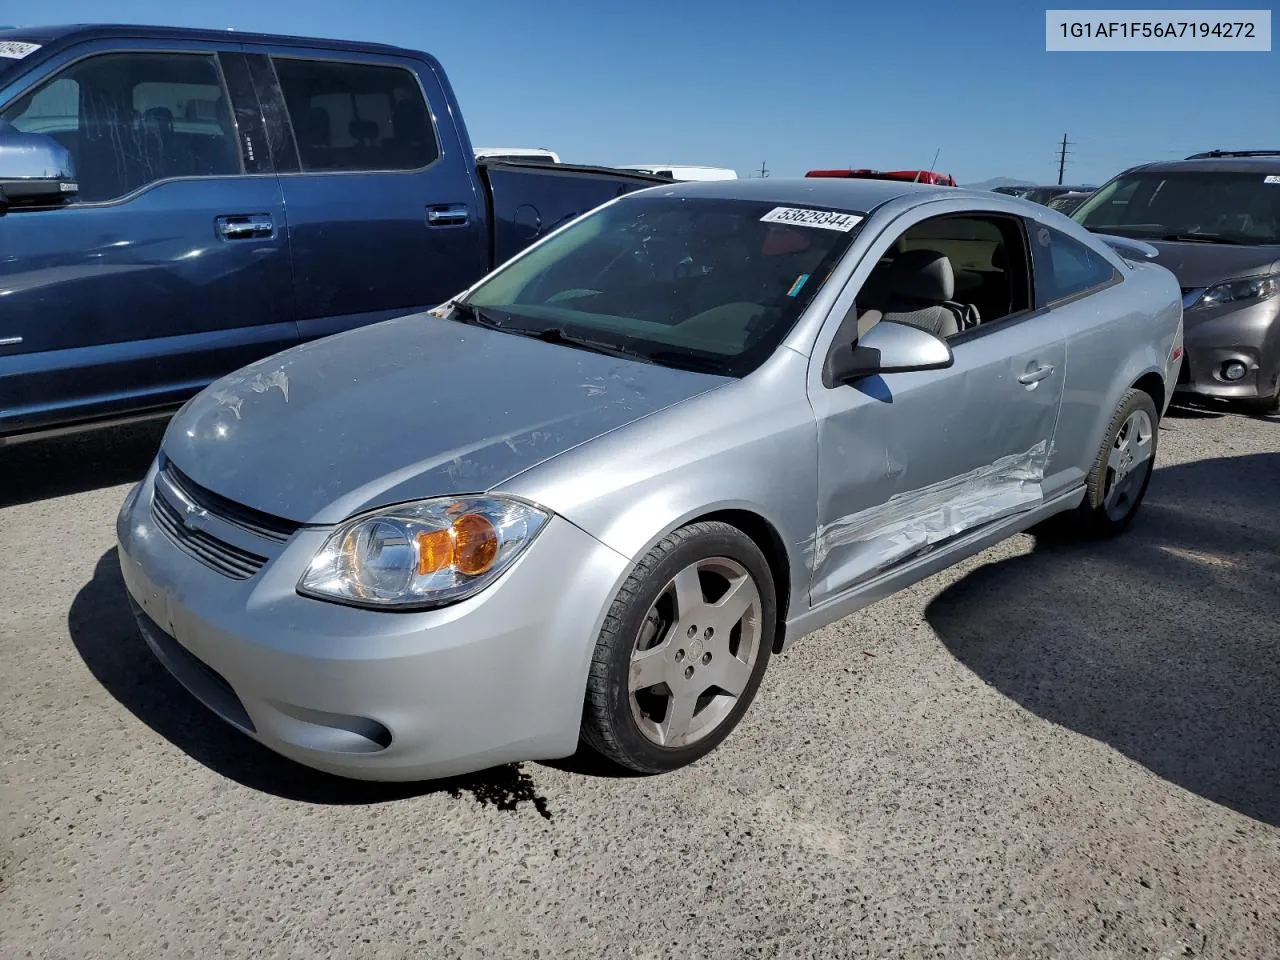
(372, 694)
(1250, 335)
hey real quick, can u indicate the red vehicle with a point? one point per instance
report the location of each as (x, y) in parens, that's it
(916, 176)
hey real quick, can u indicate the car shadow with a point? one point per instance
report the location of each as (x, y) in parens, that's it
(59, 466)
(103, 631)
(1160, 643)
(1182, 410)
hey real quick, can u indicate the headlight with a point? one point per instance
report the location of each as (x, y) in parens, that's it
(1239, 291)
(423, 554)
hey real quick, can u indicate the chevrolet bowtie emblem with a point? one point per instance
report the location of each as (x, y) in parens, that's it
(195, 517)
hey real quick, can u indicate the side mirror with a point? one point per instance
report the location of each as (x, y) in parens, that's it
(887, 348)
(35, 170)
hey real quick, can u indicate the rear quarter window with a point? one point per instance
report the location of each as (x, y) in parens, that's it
(1065, 268)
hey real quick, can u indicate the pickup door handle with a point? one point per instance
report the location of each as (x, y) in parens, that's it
(447, 215)
(245, 226)
(1036, 374)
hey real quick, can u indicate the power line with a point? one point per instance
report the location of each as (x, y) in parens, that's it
(764, 170)
(1062, 159)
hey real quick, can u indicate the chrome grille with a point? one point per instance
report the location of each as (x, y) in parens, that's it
(226, 559)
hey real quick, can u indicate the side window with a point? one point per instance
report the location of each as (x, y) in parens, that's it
(950, 274)
(53, 110)
(1065, 267)
(351, 116)
(130, 119)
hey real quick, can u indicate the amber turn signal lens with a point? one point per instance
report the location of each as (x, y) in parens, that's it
(470, 545)
(476, 544)
(435, 551)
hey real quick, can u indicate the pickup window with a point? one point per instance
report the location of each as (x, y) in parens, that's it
(130, 119)
(351, 116)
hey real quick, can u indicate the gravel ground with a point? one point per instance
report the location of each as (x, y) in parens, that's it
(1048, 752)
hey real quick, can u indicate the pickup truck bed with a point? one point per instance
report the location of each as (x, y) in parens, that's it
(238, 194)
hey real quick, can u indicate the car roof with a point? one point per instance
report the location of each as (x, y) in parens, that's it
(844, 194)
(107, 31)
(1212, 165)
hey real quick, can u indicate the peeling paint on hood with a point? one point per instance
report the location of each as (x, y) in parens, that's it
(406, 409)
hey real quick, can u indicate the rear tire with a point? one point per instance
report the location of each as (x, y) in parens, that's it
(1121, 472)
(1118, 481)
(682, 651)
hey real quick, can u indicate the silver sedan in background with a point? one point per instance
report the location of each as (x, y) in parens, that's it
(586, 500)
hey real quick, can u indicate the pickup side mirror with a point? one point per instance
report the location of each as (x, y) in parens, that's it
(886, 348)
(35, 170)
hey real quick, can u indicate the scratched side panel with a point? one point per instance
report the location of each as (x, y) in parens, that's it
(908, 461)
(908, 524)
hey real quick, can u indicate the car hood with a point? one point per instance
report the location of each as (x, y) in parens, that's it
(1204, 264)
(402, 410)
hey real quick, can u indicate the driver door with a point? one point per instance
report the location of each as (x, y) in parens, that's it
(911, 463)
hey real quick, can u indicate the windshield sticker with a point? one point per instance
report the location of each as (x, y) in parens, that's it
(823, 219)
(1272, 179)
(800, 282)
(17, 49)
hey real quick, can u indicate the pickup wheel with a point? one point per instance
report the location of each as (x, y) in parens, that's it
(682, 650)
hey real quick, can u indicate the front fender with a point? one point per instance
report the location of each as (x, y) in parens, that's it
(750, 446)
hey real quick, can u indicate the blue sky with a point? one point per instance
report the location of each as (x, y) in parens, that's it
(796, 85)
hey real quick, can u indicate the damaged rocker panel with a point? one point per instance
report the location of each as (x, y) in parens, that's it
(912, 523)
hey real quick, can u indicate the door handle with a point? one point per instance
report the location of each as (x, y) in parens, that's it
(245, 226)
(1036, 375)
(448, 215)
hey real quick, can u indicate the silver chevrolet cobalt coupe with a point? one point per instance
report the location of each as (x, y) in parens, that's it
(586, 500)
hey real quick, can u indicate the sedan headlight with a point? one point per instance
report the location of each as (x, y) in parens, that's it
(424, 554)
(1239, 291)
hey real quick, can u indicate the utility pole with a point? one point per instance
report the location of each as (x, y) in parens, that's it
(764, 170)
(1062, 159)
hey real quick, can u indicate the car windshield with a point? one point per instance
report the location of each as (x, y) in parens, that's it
(696, 283)
(1207, 206)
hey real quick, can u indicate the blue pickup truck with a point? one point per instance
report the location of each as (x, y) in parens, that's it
(175, 204)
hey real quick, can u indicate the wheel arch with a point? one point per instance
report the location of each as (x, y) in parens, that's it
(1153, 385)
(765, 536)
(762, 531)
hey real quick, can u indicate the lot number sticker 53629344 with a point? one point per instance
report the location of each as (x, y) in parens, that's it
(823, 219)
(17, 49)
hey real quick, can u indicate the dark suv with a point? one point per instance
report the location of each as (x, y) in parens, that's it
(1215, 219)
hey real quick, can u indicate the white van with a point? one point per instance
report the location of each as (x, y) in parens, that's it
(683, 173)
(517, 153)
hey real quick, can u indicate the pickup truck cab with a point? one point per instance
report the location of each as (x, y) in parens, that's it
(232, 195)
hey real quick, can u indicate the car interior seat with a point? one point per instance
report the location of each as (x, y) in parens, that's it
(921, 290)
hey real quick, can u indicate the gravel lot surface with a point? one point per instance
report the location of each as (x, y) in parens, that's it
(1047, 752)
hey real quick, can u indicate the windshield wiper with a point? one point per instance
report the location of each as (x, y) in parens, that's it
(562, 336)
(1201, 238)
(466, 313)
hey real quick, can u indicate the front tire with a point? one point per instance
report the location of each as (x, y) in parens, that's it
(682, 650)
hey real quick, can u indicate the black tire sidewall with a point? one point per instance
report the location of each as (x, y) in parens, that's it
(1098, 521)
(635, 749)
